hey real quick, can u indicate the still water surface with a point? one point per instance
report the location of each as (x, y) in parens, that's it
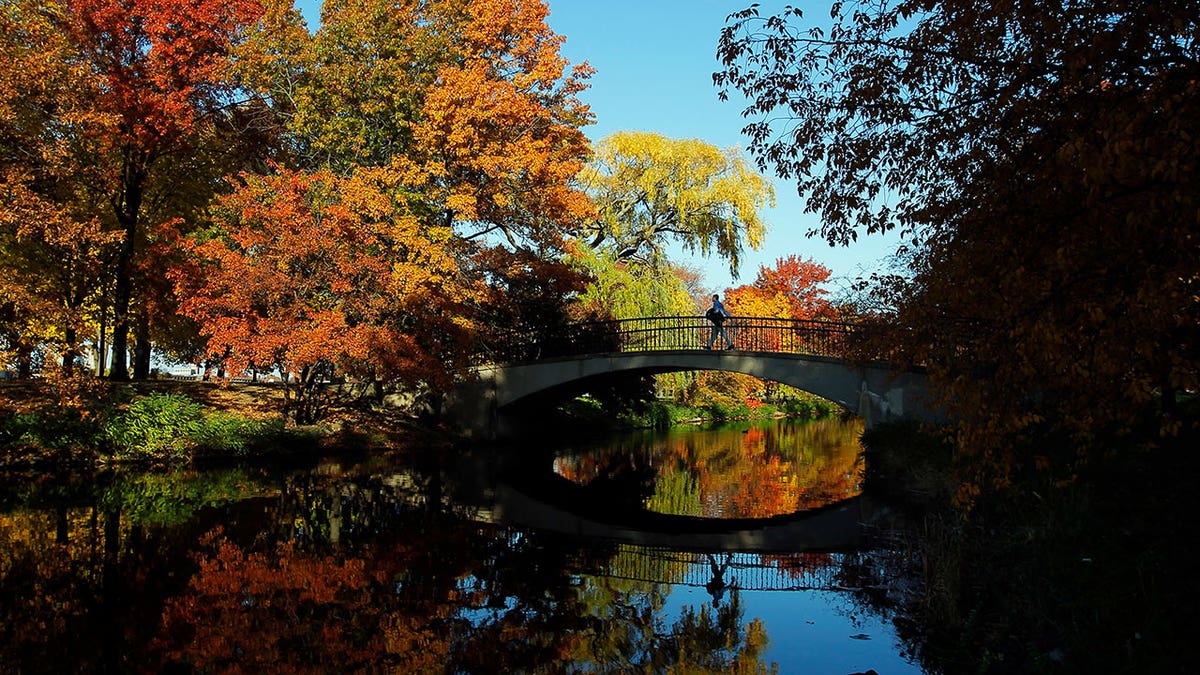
(471, 563)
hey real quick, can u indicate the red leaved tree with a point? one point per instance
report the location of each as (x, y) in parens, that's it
(162, 72)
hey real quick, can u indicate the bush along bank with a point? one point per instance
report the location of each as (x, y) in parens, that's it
(157, 428)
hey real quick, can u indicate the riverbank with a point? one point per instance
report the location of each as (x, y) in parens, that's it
(44, 426)
(1095, 575)
(166, 422)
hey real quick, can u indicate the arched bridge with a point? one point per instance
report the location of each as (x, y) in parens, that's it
(826, 358)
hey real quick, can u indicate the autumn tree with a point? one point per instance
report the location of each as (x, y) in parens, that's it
(792, 289)
(314, 275)
(1042, 159)
(472, 107)
(472, 101)
(52, 245)
(105, 105)
(630, 291)
(651, 190)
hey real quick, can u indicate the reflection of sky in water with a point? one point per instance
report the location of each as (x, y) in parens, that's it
(810, 631)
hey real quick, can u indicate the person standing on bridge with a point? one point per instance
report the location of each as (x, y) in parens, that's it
(717, 315)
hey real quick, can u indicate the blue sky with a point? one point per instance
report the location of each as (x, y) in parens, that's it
(654, 61)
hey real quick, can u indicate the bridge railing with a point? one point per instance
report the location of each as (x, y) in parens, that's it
(759, 334)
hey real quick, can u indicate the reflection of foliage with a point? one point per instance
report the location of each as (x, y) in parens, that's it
(286, 610)
(798, 565)
(750, 471)
(676, 492)
(338, 571)
(713, 642)
(173, 498)
(628, 633)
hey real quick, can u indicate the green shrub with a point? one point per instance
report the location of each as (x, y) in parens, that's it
(159, 425)
(46, 430)
(226, 434)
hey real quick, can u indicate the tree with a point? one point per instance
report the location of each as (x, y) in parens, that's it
(162, 75)
(471, 101)
(630, 291)
(792, 289)
(52, 247)
(498, 141)
(1042, 158)
(471, 106)
(313, 275)
(649, 190)
(527, 301)
(52, 264)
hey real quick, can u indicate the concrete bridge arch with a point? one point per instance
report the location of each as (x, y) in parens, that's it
(871, 391)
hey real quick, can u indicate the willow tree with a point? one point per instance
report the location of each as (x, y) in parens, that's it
(1044, 158)
(650, 190)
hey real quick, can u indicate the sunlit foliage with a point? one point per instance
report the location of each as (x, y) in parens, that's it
(794, 288)
(651, 191)
(312, 275)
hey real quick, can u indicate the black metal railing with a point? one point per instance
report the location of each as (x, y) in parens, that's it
(755, 334)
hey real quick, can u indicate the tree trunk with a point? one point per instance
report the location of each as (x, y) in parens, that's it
(24, 362)
(127, 204)
(101, 347)
(122, 292)
(142, 346)
(70, 353)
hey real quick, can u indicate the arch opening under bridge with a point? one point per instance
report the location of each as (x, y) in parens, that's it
(813, 356)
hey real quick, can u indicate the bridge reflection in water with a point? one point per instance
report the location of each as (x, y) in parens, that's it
(723, 570)
(811, 550)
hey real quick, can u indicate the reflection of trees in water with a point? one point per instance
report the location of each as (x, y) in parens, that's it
(746, 471)
(329, 573)
(323, 573)
(84, 565)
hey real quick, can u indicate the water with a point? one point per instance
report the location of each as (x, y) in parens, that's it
(471, 563)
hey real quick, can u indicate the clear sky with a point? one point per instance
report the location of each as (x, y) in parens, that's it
(654, 61)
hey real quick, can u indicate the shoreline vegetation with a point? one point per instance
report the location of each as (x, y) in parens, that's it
(159, 423)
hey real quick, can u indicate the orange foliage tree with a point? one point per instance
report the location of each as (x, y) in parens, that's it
(314, 275)
(792, 289)
(498, 140)
(468, 105)
(52, 245)
(161, 70)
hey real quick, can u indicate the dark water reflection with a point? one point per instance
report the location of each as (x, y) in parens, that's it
(386, 564)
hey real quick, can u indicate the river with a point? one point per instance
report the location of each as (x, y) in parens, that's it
(673, 551)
